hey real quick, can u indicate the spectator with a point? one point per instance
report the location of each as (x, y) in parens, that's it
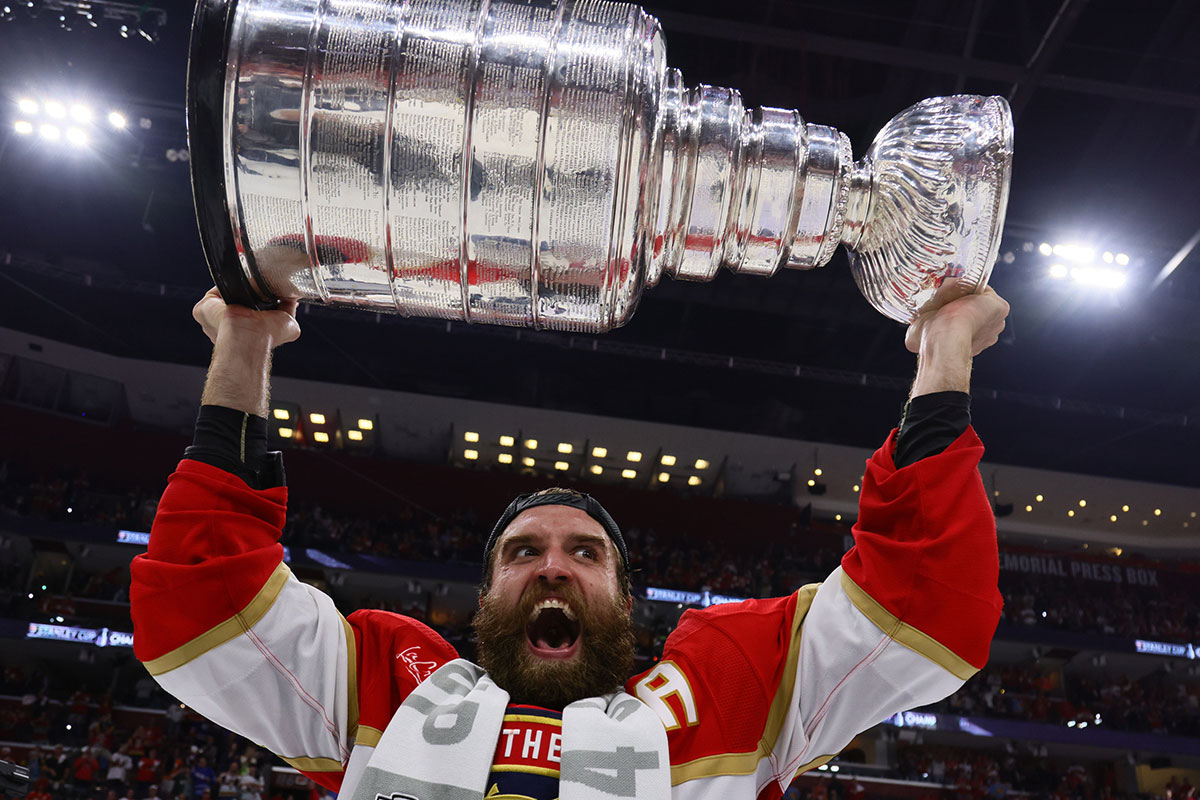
(118, 769)
(85, 771)
(203, 778)
(148, 767)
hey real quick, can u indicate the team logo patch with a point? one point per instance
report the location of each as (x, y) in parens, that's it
(417, 668)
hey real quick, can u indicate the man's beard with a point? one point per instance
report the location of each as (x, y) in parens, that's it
(602, 664)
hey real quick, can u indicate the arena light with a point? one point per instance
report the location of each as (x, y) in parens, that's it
(527, 461)
(663, 477)
(471, 436)
(634, 456)
(321, 436)
(316, 418)
(77, 137)
(668, 461)
(561, 465)
(117, 120)
(694, 480)
(507, 441)
(471, 455)
(701, 463)
(286, 433)
(1099, 277)
(1059, 271)
(504, 458)
(628, 474)
(531, 444)
(281, 414)
(81, 113)
(366, 424)
(597, 469)
(55, 109)
(23, 127)
(1080, 254)
(599, 452)
(51, 133)
(354, 435)
(566, 448)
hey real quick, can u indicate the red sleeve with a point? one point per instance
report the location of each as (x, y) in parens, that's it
(214, 543)
(925, 546)
(734, 657)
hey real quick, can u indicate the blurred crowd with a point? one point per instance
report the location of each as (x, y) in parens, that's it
(84, 752)
(78, 745)
(1159, 702)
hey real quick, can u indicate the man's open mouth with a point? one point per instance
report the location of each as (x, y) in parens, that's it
(553, 629)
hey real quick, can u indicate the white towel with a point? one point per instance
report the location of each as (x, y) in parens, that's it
(440, 743)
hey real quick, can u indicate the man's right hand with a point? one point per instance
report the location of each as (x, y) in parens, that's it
(277, 326)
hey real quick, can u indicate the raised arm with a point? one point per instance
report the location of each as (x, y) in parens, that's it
(219, 619)
(755, 692)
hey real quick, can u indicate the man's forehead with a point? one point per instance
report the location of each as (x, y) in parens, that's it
(553, 519)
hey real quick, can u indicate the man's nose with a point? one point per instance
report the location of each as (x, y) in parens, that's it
(553, 568)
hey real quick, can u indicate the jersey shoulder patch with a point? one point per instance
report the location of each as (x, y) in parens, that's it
(395, 653)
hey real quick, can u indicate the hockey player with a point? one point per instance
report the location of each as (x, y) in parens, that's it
(745, 697)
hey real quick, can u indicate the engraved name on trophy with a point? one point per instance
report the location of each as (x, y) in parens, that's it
(538, 164)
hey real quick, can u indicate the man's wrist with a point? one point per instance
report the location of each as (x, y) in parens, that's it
(943, 364)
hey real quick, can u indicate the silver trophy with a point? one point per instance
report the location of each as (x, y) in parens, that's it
(537, 163)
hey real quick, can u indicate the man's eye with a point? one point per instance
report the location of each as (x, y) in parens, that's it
(586, 552)
(521, 552)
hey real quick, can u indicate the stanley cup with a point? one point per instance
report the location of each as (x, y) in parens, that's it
(537, 163)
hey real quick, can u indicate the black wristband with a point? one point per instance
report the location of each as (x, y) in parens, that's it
(236, 442)
(930, 424)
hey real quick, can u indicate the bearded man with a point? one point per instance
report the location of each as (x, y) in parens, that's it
(745, 697)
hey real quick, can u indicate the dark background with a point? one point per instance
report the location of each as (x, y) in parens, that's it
(98, 246)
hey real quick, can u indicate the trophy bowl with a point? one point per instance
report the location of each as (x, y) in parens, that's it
(538, 164)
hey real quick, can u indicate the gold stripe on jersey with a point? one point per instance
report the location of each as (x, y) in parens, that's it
(533, 718)
(747, 763)
(351, 681)
(368, 736)
(915, 640)
(306, 764)
(553, 773)
(222, 632)
(816, 762)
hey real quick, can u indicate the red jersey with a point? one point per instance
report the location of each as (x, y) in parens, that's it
(750, 694)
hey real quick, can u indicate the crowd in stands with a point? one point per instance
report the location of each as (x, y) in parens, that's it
(1159, 702)
(1107, 609)
(80, 744)
(992, 774)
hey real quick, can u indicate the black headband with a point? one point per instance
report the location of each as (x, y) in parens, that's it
(584, 502)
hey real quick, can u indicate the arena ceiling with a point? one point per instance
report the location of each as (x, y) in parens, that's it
(101, 249)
